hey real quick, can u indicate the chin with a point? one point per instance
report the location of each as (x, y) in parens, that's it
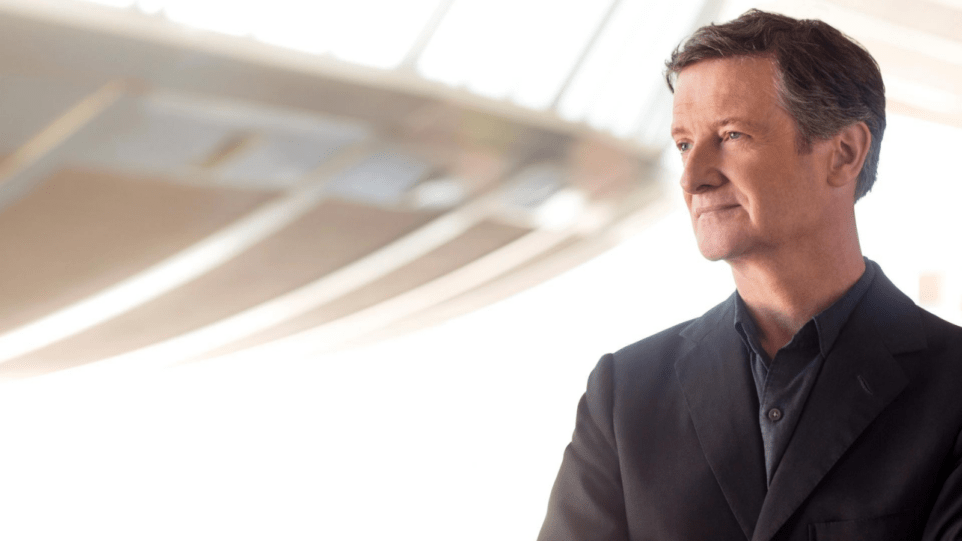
(713, 255)
(717, 249)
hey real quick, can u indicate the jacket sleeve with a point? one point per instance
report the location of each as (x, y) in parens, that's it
(587, 502)
(945, 520)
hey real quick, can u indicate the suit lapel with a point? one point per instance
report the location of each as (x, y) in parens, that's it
(717, 383)
(859, 379)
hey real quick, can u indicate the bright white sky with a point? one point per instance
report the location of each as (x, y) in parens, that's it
(455, 432)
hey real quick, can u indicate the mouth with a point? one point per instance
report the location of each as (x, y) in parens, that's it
(713, 209)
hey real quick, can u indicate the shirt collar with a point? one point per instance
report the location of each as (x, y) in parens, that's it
(745, 326)
(828, 323)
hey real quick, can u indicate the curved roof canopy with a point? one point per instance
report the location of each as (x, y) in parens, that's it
(188, 179)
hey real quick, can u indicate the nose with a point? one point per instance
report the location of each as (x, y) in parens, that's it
(701, 169)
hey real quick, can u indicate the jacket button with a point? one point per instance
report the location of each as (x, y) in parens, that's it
(774, 414)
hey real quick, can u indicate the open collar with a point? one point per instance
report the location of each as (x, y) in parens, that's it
(859, 379)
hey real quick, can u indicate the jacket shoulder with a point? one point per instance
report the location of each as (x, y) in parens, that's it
(657, 353)
(942, 351)
(940, 333)
(655, 346)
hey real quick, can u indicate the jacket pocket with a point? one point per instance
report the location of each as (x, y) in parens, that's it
(897, 527)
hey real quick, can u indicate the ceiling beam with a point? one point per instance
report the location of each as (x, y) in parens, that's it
(181, 267)
(332, 335)
(52, 136)
(347, 279)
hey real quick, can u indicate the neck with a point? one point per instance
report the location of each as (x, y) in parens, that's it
(784, 291)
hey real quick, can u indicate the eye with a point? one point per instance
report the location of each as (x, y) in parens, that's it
(683, 146)
(733, 135)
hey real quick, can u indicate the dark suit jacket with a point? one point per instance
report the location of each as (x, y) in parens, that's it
(667, 443)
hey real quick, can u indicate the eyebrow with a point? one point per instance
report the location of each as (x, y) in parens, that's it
(735, 120)
(675, 130)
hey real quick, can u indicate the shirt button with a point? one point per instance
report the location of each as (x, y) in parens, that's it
(774, 414)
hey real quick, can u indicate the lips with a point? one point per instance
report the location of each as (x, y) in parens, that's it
(714, 208)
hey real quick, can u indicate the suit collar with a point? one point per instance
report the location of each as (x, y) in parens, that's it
(712, 321)
(717, 383)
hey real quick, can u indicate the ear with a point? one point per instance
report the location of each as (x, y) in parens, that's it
(850, 146)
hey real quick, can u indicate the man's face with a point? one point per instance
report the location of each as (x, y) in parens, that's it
(747, 187)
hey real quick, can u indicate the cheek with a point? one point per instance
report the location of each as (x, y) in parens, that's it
(771, 188)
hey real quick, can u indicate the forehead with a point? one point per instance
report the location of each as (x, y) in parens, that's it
(725, 87)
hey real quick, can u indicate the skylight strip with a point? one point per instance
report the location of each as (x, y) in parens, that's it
(529, 58)
(551, 57)
(426, 35)
(551, 46)
(463, 43)
(377, 33)
(599, 30)
(224, 16)
(636, 68)
(370, 32)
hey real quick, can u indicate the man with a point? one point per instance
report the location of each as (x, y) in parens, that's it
(817, 402)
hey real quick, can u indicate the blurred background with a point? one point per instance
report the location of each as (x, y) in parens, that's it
(339, 270)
